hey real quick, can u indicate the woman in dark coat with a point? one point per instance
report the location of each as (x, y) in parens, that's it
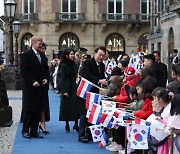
(45, 114)
(68, 73)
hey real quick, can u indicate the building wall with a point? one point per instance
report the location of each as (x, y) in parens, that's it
(168, 21)
(91, 33)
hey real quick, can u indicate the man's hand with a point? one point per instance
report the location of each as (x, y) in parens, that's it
(45, 81)
(36, 84)
(103, 82)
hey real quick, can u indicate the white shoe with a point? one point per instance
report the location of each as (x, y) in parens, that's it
(116, 147)
(129, 150)
(121, 151)
(111, 145)
(110, 139)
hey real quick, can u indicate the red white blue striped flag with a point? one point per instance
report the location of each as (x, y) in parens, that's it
(84, 86)
(95, 115)
(92, 98)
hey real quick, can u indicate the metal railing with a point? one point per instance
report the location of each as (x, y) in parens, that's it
(69, 17)
(27, 17)
(118, 17)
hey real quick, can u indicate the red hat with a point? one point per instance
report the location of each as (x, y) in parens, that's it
(129, 71)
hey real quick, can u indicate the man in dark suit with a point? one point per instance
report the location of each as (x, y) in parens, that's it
(35, 75)
(163, 68)
(149, 62)
(93, 70)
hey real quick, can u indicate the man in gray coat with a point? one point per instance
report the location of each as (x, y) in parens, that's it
(34, 71)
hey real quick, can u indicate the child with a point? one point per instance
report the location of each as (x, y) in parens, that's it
(130, 80)
(174, 119)
(119, 137)
(148, 85)
(115, 83)
(174, 71)
(136, 103)
(163, 101)
(119, 69)
(157, 108)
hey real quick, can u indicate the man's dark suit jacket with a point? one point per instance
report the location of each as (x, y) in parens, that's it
(91, 72)
(32, 70)
(160, 71)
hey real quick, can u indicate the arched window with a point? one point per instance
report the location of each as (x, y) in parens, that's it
(170, 41)
(115, 44)
(68, 40)
(26, 42)
(143, 43)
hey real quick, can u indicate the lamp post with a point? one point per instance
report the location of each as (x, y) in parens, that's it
(10, 8)
(11, 74)
(16, 29)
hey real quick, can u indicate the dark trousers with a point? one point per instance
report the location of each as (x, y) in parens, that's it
(119, 135)
(83, 127)
(30, 122)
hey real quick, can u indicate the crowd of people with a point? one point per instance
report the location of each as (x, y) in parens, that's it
(142, 92)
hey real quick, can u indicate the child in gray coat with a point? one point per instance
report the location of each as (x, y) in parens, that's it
(136, 103)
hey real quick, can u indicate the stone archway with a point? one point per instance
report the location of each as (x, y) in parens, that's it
(69, 40)
(170, 43)
(143, 43)
(26, 42)
(115, 44)
(170, 49)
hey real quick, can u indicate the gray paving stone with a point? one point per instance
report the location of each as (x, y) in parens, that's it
(7, 134)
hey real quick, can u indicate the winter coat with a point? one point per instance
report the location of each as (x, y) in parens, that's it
(146, 110)
(136, 105)
(123, 97)
(115, 83)
(32, 70)
(68, 107)
(89, 71)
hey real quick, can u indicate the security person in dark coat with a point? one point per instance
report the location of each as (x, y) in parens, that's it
(92, 70)
(163, 68)
(34, 71)
(149, 62)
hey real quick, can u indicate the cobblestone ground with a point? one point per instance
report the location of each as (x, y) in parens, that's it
(7, 134)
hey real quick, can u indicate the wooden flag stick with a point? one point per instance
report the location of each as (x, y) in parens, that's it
(172, 140)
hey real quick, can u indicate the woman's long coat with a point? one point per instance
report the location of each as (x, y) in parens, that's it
(68, 107)
(32, 70)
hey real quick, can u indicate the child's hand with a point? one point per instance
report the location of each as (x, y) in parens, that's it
(158, 118)
(114, 98)
(167, 130)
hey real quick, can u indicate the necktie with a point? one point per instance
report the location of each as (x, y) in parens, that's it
(99, 69)
(38, 56)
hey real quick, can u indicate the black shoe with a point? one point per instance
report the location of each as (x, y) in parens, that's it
(82, 139)
(44, 131)
(26, 135)
(90, 139)
(36, 135)
(76, 128)
(67, 129)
